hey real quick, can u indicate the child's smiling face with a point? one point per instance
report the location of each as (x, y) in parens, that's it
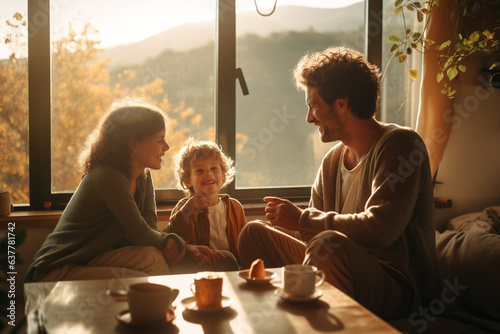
(206, 177)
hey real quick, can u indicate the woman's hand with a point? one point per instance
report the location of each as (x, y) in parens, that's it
(203, 254)
(171, 252)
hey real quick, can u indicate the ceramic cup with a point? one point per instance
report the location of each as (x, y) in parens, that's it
(150, 302)
(207, 289)
(300, 280)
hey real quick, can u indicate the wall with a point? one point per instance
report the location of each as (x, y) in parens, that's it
(470, 169)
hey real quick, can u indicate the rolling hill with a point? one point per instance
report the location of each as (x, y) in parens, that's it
(192, 35)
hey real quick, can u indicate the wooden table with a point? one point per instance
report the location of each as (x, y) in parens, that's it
(85, 307)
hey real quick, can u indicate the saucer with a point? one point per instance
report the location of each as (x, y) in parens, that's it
(189, 303)
(269, 275)
(125, 318)
(300, 299)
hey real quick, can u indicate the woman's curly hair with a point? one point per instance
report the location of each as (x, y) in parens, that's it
(109, 143)
(340, 72)
(193, 150)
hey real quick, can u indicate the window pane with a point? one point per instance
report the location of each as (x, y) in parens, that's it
(161, 51)
(399, 101)
(275, 145)
(14, 158)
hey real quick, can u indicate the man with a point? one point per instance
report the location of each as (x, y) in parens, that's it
(370, 220)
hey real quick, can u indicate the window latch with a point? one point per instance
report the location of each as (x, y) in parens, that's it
(241, 79)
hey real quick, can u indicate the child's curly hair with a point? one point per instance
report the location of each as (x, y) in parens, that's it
(194, 149)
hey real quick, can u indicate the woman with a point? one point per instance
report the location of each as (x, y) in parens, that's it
(109, 227)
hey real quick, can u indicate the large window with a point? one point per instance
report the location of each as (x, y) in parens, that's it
(221, 69)
(276, 147)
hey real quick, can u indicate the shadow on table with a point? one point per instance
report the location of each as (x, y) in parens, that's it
(167, 329)
(212, 323)
(321, 319)
(256, 287)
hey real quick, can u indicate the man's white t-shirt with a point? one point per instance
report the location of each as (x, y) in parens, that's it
(350, 184)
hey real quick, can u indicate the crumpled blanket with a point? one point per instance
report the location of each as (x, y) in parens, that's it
(468, 254)
(469, 251)
(488, 221)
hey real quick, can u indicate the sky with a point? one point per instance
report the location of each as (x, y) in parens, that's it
(132, 21)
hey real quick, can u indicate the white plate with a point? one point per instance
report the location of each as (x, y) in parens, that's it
(269, 275)
(125, 318)
(189, 303)
(288, 297)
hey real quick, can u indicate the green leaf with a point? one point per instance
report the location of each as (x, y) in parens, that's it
(429, 41)
(452, 72)
(462, 68)
(475, 36)
(394, 48)
(459, 46)
(448, 62)
(494, 65)
(444, 45)
(393, 38)
(398, 3)
(416, 36)
(440, 76)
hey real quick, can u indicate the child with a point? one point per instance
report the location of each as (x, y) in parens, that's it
(205, 217)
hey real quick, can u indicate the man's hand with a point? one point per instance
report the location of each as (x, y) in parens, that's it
(282, 212)
(171, 252)
(198, 202)
(203, 254)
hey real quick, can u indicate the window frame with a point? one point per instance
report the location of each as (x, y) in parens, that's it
(39, 74)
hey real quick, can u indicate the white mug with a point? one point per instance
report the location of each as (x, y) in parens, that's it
(300, 280)
(150, 302)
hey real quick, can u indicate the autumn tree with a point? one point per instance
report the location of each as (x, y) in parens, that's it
(81, 93)
(14, 112)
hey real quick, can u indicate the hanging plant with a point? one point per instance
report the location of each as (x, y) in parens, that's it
(452, 52)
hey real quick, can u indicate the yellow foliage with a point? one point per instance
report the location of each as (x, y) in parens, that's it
(186, 113)
(196, 120)
(81, 93)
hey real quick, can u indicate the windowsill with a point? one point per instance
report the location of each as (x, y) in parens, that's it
(49, 218)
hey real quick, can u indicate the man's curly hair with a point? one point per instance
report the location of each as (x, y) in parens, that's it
(340, 72)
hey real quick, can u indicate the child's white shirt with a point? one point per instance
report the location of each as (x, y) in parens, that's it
(217, 215)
